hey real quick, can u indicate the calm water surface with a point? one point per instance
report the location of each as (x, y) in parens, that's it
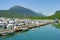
(48, 32)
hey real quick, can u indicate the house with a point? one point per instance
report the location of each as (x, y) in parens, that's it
(20, 25)
(10, 26)
(26, 22)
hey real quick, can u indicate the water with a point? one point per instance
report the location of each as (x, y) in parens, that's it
(48, 32)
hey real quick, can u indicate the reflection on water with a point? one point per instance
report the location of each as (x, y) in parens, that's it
(48, 32)
(56, 25)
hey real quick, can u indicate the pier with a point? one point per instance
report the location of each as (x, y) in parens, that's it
(6, 32)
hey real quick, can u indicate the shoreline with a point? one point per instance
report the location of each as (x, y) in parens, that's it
(7, 32)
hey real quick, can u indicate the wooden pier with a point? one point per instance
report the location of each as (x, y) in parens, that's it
(6, 32)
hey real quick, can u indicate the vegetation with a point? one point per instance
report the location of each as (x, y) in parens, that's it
(21, 12)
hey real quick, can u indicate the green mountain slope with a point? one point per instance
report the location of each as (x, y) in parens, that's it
(56, 15)
(18, 11)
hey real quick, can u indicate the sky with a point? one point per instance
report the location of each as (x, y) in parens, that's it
(46, 7)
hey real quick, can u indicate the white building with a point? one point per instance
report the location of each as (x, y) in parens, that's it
(3, 23)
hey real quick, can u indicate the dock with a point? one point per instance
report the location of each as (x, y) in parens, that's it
(6, 32)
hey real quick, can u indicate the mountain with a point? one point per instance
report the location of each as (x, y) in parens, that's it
(19, 11)
(56, 15)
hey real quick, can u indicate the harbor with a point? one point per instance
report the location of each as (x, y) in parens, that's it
(39, 33)
(29, 19)
(10, 26)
